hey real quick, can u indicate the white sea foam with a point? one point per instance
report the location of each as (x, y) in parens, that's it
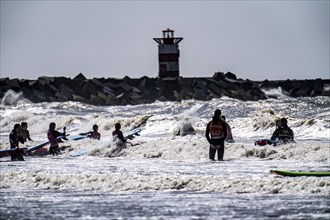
(159, 160)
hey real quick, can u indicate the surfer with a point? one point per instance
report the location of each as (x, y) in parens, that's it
(14, 139)
(283, 134)
(52, 135)
(93, 134)
(25, 132)
(229, 138)
(216, 133)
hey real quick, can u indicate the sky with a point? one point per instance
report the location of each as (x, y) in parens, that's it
(256, 40)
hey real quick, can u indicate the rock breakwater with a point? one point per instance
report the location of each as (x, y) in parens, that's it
(131, 91)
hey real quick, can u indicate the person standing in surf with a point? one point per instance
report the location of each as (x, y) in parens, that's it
(14, 139)
(25, 132)
(216, 133)
(52, 135)
(283, 134)
(229, 137)
(118, 136)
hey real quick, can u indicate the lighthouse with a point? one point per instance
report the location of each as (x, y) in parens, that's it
(168, 54)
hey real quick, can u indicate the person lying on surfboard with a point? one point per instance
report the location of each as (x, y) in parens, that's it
(14, 139)
(283, 134)
(93, 134)
(25, 132)
(52, 135)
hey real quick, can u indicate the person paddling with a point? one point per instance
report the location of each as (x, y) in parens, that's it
(52, 135)
(14, 139)
(216, 133)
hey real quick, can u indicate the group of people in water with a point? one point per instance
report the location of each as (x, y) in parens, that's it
(217, 133)
(20, 134)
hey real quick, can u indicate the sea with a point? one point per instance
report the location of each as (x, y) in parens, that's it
(165, 172)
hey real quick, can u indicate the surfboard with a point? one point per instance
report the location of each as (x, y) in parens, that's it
(38, 146)
(131, 134)
(300, 173)
(77, 137)
(12, 151)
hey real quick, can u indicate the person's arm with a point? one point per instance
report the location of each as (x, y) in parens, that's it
(12, 141)
(28, 135)
(291, 134)
(121, 136)
(20, 138)
(275, 134)
(207, 133)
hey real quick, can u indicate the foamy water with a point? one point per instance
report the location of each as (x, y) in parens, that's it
(166, 176)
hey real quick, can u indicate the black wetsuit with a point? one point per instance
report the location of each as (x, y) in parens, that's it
(14, 139)
(283, 134)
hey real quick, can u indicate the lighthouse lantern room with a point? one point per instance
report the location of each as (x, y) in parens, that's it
(168, 54)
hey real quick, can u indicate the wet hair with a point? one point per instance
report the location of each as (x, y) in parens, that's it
(117, 126)
(17, 126)
(216, 116)
(23, 124)
(52, 125)
(217, 113)
(95, 127)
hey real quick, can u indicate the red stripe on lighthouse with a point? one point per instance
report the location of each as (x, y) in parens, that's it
(174, 57)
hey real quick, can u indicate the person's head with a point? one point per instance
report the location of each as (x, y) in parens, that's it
(223, 118)
(217, 113)
(17, 127)
(284, 121)
(278, 122)
(95, 127)
(24, 125)
(216, 116)
(52, 126)
(117, 126)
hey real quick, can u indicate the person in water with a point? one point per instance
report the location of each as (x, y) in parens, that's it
(14, 139)
(25, 132)
(216, 133)
(283, 134)
(118, 136)
(93, 134)
(52, 135)
(229, 138)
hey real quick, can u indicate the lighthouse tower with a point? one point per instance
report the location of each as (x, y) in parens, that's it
(168, 54)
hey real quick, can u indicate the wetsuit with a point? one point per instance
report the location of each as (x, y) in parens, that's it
(118, 138)
(283, 134)
(52, 137)
(14, 139)
(25, 135)
(217, 129)
(94, 135)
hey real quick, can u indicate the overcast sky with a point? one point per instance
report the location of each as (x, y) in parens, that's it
(255, 40)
